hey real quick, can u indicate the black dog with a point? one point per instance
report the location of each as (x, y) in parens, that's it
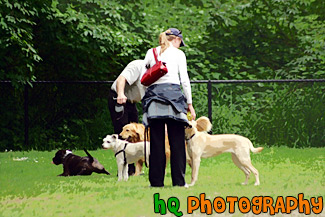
(74, 165)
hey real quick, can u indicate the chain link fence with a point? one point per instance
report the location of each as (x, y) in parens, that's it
(74, 114)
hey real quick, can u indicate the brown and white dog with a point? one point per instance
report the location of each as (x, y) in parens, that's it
(202, 145)
(134, 132)
(74, 165)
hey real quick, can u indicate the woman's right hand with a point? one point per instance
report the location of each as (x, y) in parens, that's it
(121, 98)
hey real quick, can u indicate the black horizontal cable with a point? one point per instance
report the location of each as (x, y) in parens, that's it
(65, 82)
(193, 81)
(258, 81)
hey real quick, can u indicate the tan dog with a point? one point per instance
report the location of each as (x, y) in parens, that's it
(134, 132)
(202, 145)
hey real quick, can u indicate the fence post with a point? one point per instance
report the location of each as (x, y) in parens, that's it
(26, 118)
(209, 100)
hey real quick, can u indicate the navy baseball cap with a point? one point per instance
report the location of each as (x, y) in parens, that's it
(177, 33)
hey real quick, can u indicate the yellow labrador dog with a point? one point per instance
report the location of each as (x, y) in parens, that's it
(202, 145)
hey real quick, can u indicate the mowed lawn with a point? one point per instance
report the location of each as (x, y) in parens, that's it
(29, 185)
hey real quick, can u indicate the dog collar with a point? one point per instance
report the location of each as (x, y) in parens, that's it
(191, 137)
(67, 152)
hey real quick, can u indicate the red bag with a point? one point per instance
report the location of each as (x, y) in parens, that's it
(155, 72)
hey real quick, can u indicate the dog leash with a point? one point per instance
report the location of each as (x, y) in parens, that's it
(119, 108)
(146, 132)
(123, 150)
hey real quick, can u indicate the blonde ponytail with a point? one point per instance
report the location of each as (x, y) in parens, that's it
(164, 40)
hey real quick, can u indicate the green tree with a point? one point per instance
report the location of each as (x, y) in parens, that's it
(267, 39)
(17, 41)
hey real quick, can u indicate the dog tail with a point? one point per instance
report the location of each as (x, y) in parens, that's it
(254, 150)
(89, 155)
(203, 124)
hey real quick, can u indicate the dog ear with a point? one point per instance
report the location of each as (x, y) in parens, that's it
(138, 136)
(115, 136)
(140, 131)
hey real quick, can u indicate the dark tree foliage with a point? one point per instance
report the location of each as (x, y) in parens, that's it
(89, 40)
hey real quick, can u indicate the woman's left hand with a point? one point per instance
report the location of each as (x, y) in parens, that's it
(192, 111)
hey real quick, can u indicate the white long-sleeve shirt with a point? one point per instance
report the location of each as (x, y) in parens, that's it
(133, 72)
(175, 60)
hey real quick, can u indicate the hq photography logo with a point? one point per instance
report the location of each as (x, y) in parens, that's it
(231, 204)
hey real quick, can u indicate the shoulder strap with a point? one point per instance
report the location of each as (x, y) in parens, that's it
(155, 54)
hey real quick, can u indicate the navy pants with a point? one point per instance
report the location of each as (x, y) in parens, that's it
(157, 159)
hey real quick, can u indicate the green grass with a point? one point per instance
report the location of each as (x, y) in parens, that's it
(32, 188)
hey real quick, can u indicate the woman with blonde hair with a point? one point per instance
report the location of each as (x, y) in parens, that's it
(165, 104)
